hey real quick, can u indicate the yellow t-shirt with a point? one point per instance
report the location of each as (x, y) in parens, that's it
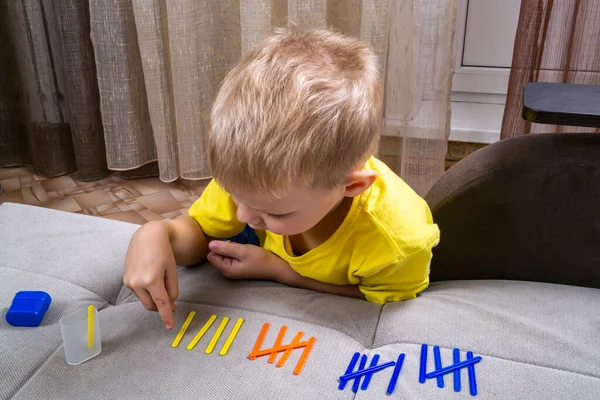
(383, 245)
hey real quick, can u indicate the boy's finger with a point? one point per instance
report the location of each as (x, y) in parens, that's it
(171, 283)
(218, 260)
(228, 249)
(161, 299)
(145, 299)
(223, 264)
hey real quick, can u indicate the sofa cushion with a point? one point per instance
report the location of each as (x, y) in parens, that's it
(536, 340)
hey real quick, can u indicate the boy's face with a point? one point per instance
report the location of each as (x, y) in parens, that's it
(295, 213)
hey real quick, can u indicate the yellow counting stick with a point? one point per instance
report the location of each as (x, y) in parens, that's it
(186, 324)
(232, 335)
(201, 333)
(217, 335)
(90, 326)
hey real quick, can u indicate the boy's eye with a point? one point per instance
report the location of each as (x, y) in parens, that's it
(277, 216)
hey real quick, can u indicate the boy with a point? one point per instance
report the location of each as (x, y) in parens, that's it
(291, 141)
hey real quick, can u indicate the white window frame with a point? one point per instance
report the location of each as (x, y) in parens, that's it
(478, 93)
(474, 79)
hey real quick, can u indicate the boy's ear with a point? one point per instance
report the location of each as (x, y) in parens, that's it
(359, 181)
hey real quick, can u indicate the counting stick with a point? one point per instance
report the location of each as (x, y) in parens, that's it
(304, 356)
(349, 370)
(278, 349)
(364, 371)
(451, 368)
(90, 326)
(423, 363)
(232, 336)
(437, 357)
(217, 335)
(361, 368)
(201, 333)
(456, 358)
(288, 352)
(368, 377)
(186, 324)
(396, 374)
(278, 342)
(471, 372)
(259, 340)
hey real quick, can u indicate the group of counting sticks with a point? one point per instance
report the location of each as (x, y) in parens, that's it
(350, 374)
(278, 348)
(216, 336)
(455, 368)
(256, 351)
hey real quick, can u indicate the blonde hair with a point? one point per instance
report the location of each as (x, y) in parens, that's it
(304, 108)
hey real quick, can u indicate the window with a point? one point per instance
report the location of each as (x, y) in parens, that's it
(484, 41)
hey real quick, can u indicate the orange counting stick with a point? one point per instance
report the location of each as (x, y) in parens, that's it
(259, 340)
(304, 356)
(279, 349)
(287, 353)
(278, 342)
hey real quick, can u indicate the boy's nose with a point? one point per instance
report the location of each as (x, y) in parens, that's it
(247, 216)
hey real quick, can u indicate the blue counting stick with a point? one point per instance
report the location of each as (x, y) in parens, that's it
(423, 366)
(366, 371)
(359, 374)
(456, 359)
(367, 380)
(350, 368)
(454, 367)
(396, 374)
(437, 357)
(471, 370)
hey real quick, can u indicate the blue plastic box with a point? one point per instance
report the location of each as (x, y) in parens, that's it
(28, 308)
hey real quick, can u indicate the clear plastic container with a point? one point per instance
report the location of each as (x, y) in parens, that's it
(74, 329)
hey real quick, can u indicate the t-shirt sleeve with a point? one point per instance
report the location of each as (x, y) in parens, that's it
(215, 211)
(396, 281)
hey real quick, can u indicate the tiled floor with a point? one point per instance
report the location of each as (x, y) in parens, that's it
(137, 200)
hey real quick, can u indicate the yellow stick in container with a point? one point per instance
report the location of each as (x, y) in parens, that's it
(91, 326)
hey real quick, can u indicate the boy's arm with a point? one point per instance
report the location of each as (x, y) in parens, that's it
(189, 243)
(238, 261)
(299, 281)
(398, 281)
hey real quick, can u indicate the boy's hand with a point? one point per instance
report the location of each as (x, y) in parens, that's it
(150, 270)
(152, 258)
(246, 261)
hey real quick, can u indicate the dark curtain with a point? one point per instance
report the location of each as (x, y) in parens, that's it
(556, 41)
(49, 101)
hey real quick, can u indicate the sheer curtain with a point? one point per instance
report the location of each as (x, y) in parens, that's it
(418, 86)
(557, 41)
(127, 84)
(160, 63)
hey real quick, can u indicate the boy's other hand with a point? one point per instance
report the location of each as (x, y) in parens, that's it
(246, 261)
(151, 271)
